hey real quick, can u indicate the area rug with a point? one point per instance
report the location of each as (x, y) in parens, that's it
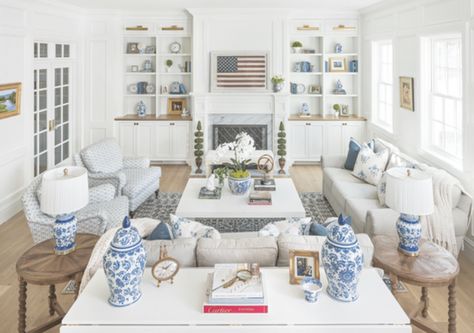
(316, 206)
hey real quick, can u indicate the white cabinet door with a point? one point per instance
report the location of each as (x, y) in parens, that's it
(333, 138)
(127, 138)
(145, 139)
(163, 140)
(298, 139)
(314, 139)
(354, 129)
(179, 139)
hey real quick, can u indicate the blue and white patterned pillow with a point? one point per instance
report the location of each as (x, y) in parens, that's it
(369, 165)
(185, 228)
(292, 226)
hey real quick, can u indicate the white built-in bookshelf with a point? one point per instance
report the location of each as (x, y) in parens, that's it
(320, 38)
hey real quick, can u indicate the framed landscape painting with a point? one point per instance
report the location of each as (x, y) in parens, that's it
(10, 97)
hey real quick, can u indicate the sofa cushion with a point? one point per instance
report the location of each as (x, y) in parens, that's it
(401, 160)
(357, 209)
(162, 231)
(138, 180)
(315, 243)
(183, 250)
(342, 191)
(342, 175)
(292, 226)
(353, 152)
(380, 145)
(185, 228)
(369, 165)
(261, 250)
(103, 157)
(461, 222)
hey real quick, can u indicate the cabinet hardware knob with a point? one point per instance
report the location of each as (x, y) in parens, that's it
(308, 124)
(171, 124)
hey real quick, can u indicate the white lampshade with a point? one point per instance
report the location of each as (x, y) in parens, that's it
(409, 191)
(64, 190)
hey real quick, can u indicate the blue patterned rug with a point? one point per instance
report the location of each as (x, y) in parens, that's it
(315, 204)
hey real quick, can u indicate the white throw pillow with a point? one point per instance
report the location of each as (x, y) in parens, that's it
(291, 226)
(183, 250)
(397, 160)
(369, 165)
(185, 228)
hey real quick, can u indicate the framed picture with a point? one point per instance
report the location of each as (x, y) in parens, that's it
(239, 71)
(303, 264)
(176, 105)
(314, 89)
(337, 64)
(132, 48)
(407, 97)
(10, 99)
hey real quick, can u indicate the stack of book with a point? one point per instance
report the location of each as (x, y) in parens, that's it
(204, 193)
(260, 198)
(262, 185)
(240, 297)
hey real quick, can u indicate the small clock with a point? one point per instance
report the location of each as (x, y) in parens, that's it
(175, 47)
(165, 268)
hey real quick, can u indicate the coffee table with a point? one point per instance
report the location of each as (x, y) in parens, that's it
(286, 203)
(177, 308)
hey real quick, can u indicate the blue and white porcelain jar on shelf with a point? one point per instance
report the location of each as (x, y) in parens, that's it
(124, 264)
(343, 260)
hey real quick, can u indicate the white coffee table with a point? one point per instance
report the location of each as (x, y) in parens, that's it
(285, 203)
(177, 308)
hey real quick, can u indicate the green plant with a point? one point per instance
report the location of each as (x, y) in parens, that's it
(278, 79)
(281, 141)
(336, 107)
(169, 63)
(198, 146)
(221, 173)
(297, 44)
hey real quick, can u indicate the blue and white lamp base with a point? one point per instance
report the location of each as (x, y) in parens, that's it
(409, 232)
(65, 230)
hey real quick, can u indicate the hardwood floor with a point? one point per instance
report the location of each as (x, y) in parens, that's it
(15, 238)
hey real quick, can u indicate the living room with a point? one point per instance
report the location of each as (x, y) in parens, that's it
(257, 166)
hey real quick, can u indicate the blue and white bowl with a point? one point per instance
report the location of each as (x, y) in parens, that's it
(239, 186)
(124, 264)
(312, 288)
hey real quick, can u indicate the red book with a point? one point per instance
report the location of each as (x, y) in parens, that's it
(253, 308)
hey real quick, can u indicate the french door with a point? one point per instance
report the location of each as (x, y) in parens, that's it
(52, 111)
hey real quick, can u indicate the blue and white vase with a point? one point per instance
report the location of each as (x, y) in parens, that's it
(409, 233)
(141, 109)
(65, 230)
(124, 264)
(343, 260)
(239, 186)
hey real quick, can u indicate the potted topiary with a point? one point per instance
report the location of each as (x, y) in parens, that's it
(281, 148)
(337, 109)
(168, 63)
(239, 177)
(277, 82)
(198, 146)
(296, 45)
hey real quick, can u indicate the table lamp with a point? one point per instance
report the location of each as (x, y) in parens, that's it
(409, 192)
(63, 192)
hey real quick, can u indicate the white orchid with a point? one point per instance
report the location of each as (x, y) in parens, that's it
(243, 147)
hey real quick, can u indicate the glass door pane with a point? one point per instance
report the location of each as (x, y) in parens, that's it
(40, 120)
(61, 114)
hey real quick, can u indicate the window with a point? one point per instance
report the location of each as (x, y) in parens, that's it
(442, 97)
(382, 84)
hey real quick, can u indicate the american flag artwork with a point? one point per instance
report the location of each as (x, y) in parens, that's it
(247, 71)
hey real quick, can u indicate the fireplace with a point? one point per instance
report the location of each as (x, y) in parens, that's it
(223, 133)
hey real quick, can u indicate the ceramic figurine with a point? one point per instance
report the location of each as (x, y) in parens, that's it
(141, 109)
(339, 88)
(124, 264)
(304, 111)
(147, 66)
(342, 259)
(338, 48)
(210, 185)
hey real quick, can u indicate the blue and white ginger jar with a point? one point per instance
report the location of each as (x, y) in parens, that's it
(343, 260)
(124, 264)
(239, 186)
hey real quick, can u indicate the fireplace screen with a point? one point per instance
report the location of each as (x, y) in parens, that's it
(227, 133)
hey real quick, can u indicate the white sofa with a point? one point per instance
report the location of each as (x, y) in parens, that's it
(352, 196)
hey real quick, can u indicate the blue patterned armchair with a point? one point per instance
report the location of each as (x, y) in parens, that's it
(103, 212)
(132, 177)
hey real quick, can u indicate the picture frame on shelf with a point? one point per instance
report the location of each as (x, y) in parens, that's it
(337, 64)
(10, 99)
(150, 49)
(134, 68)
(132, 48)
(303, 264)
(345, 110)
(407, 95)
(314, 89)
(176, 105)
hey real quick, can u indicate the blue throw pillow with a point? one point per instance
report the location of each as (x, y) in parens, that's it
(162, 231)
(354, 148)
(317, 229)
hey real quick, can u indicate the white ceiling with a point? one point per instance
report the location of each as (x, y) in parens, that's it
(139, 5)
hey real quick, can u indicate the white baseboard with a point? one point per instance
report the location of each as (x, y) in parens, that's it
(468, 251)
(10, 206)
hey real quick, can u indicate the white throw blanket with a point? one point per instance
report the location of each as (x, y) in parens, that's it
(439, 226)
(144, 226)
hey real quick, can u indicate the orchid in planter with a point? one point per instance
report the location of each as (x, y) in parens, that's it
(243, 148)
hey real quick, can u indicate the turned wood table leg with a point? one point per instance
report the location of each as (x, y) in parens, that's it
(394, 283)
(22, 307)
(52, 299)
(425, 300)
(452, 307)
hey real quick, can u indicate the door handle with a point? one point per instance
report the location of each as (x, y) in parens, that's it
(171, 124)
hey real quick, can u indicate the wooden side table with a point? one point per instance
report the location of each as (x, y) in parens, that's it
(41, 266)
(434, 267)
